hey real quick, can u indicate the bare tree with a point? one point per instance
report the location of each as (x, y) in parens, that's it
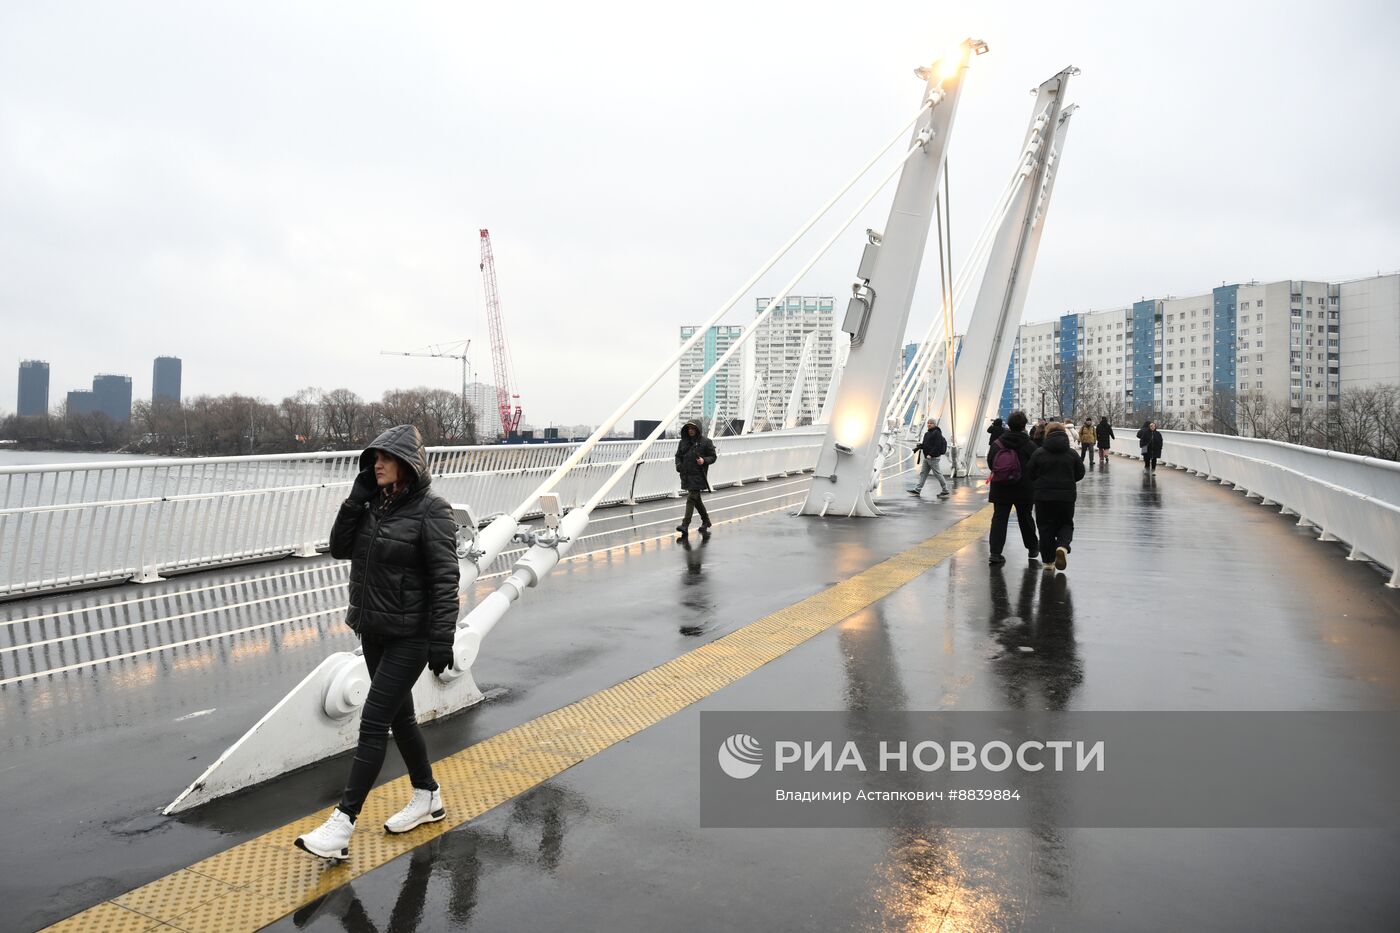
(1388, 422)
(299, 417)
(1075, 392)
(1352, 423)
(340, 416)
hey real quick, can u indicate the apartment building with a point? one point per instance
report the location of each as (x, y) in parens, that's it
(778, 344)
(1189, 357)
(1370, 342)
(722, 395)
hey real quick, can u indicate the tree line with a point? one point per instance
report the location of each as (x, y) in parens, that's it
(224, 425)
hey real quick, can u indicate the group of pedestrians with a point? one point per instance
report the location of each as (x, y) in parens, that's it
(1035, 475)
(1095, 439)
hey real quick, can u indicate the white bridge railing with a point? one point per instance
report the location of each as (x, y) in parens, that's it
(1348, 498)
(70, 526)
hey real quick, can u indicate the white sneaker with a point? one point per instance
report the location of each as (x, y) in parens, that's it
(332, 839)
(424, 807)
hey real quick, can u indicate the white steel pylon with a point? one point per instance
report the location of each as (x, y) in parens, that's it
(980, 371)
(878, 313)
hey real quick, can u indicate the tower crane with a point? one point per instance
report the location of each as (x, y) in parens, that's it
(500, 352)
(446, 351)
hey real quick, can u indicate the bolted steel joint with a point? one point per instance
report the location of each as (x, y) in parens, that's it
(347, 686)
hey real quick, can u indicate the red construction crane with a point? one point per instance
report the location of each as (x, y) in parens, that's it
(500, 352)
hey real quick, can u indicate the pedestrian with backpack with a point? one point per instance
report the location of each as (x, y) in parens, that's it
(1087, 439)
(933, 446)
(1053, 470)
(1011, 487)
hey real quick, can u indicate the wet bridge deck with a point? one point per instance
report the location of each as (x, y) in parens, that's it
(1180, 595)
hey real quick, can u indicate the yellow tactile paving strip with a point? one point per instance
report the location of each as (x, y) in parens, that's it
(264, 879)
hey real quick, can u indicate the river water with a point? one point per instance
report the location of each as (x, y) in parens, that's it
(9, 458)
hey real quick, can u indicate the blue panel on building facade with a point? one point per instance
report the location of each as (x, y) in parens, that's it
(1004, 408)
(708, 405)
(1223, 352)
(1069, 355)
(1143, 358)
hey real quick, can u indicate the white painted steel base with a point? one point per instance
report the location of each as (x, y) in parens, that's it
(319, 718)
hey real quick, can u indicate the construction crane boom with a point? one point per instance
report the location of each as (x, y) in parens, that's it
(446, 351)
(500, 351)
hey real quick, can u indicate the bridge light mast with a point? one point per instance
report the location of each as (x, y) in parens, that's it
(991, 331)
(878, 313)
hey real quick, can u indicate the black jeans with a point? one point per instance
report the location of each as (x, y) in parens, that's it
(394, 665)
(693, 505)
(1087, 450)
(1055, 521)
(1001, 516)
(1149, 462)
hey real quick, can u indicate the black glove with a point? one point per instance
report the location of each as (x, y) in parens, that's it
(365, 487)
(439, 657)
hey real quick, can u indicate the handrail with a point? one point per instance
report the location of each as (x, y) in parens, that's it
(1369, 523)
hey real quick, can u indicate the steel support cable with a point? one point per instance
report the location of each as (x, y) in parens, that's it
(603, 429)
(949, 356)
(908, 385)
(917, 373)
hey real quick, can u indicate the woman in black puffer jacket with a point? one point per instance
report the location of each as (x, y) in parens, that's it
(1053, 471)
(401, 540)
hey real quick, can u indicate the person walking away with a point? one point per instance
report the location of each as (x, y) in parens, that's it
(995, 430)
(694, 454)
(1143, 434)
(1104, 433)
(1154, 447)
(1011, 487)
(1087, 438)
(401, 541)
(1038, 432)
(933, 446)
(1053, 471)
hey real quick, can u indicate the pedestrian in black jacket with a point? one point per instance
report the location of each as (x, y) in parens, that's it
(1152, 450)
(1104, 432)
(933, 446)
(1142, 435)
(1054, 469)
(694, 454)
(1011, 487)
(995, 430)
(401, 541)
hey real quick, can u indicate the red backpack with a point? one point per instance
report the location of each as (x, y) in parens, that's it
(1006, 464)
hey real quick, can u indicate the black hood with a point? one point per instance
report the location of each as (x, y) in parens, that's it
(1056, 440)
(699, 431)
(404, 442)
(1016, 440)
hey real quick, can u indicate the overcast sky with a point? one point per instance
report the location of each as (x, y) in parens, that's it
(276, 192)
